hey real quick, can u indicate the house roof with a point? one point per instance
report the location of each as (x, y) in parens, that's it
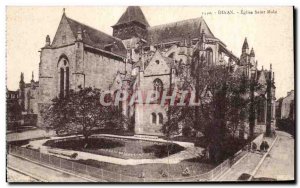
(133, 14)
(178, 31)
(96, 38)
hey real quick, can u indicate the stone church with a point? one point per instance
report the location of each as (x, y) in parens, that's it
(136, 57)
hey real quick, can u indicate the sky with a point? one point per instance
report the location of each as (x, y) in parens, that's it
(270, 34)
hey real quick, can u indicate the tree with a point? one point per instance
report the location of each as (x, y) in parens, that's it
(224, 102)
(82, 113)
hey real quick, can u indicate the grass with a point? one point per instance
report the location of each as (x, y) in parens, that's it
(24, 142)
(19, 142)
(95, 145)
(152, 170)
(161, 151)
(80, 145)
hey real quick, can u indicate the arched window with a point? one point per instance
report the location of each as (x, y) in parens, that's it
(62, 82)
(63, 76)
(160, 118)
(158, 85)
(153, 118)
(209, 56)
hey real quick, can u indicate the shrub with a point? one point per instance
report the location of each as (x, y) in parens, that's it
(186, 172)
(164, 173)
(254, 146)
(244, 177)
(287, 125)
(186, 131)
(266, 145)
(142, 175)
(262, 146)
(29, 146)
(74, 155)
(161, 151)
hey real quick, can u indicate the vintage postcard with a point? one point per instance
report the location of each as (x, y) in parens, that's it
(150, 94)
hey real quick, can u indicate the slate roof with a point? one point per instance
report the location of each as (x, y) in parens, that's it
(177, 31)
(133, 14)
(169, 61)
(96, 38)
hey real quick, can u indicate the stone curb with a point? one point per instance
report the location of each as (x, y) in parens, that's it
(53, 168)
(27, 174)
(262, 160)
(237, 162)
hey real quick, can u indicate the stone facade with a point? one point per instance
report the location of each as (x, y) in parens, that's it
(288, 106)
(138, 57)
(22, 104)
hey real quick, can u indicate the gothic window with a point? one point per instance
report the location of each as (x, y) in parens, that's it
(63, 76)
(67, 81)
(28, 101)
(62, 80)
(153, 118)
(158, 85)
(160, 118)
(209, 56)
(261, 111)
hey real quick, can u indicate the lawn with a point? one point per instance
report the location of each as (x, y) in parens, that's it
(120, 148)
(152, 170)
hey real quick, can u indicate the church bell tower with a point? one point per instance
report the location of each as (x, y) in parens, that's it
(131, 24)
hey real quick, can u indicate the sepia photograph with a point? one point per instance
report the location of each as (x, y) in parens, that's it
(144, 94)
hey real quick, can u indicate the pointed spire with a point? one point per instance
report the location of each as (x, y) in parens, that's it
(48, 41)
(185, 43)
(181, 43)
(203, 40)
(189, 44)
(79, 33)
(64, 11)
(32, 77)
(22, 77)
(203, 36)
(252, 54)
(245, 45)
